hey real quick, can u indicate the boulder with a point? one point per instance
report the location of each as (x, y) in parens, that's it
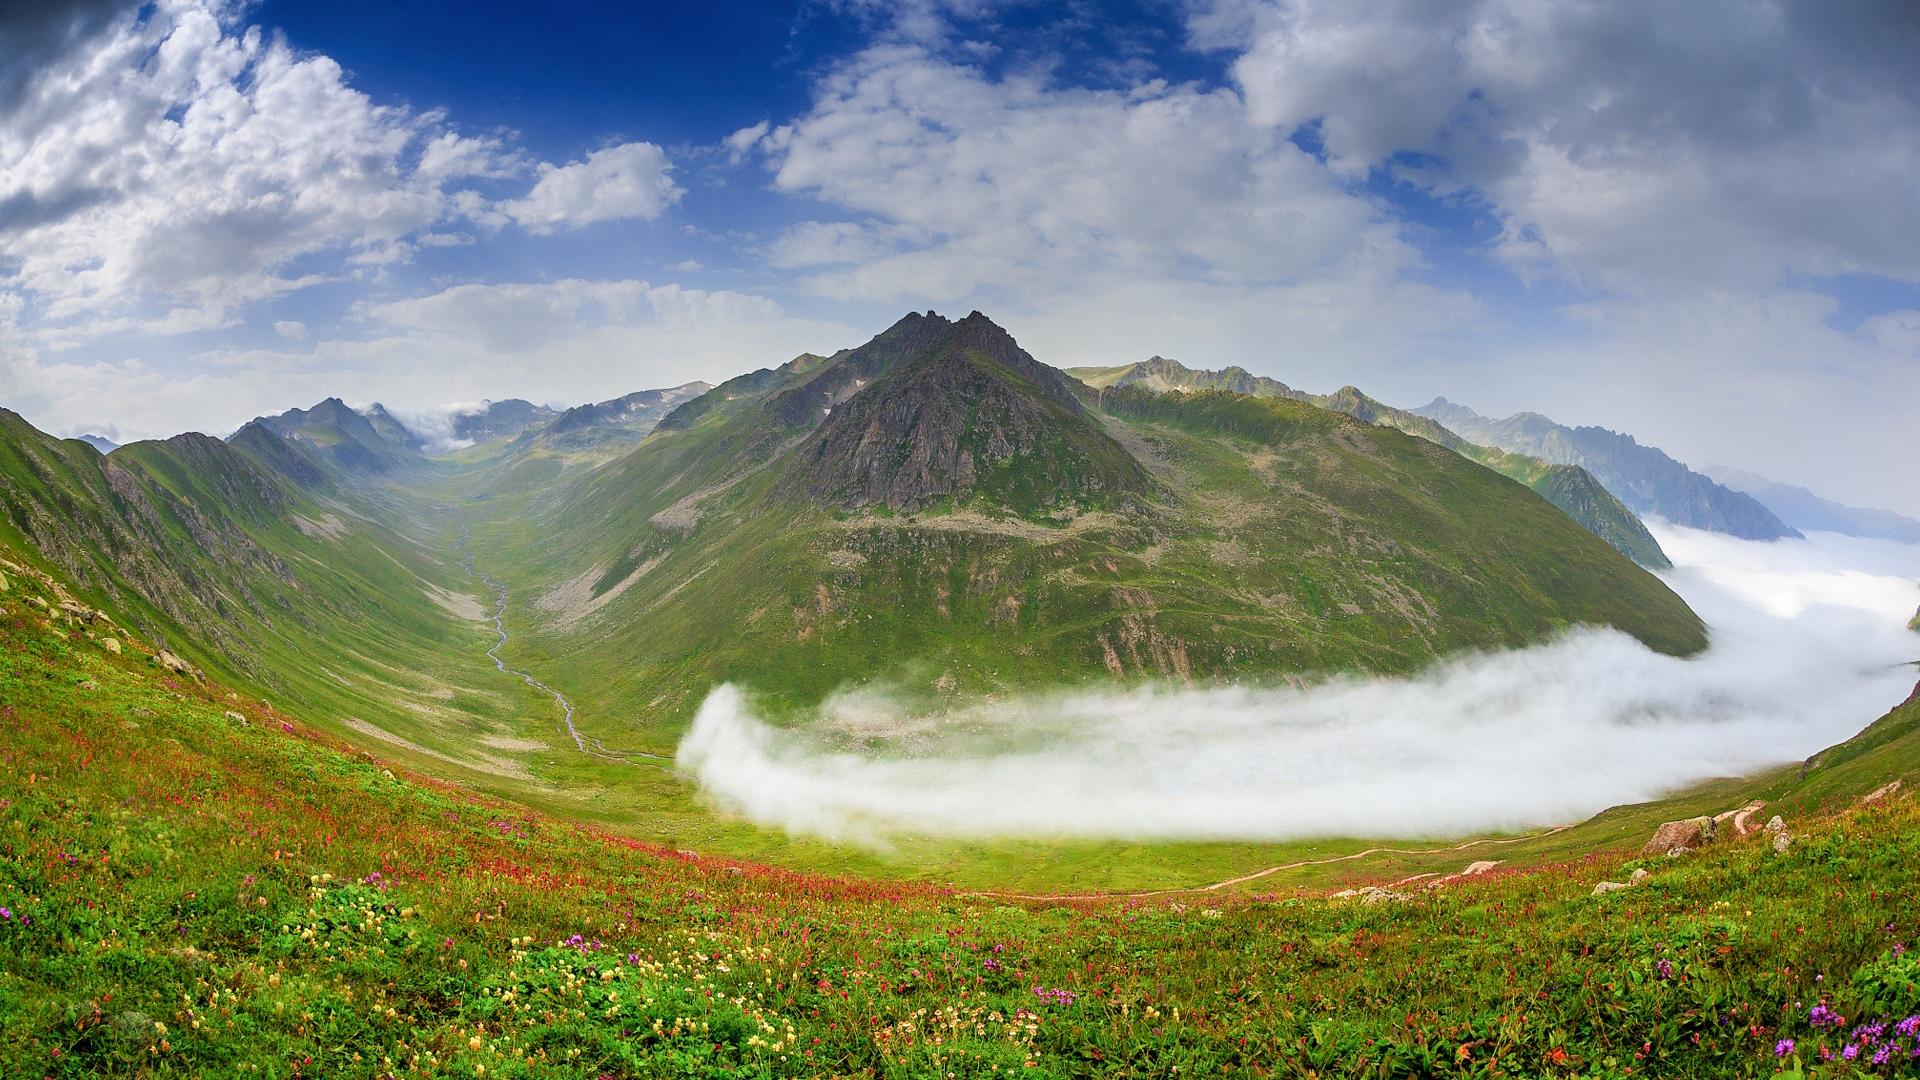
(1638, 876)
(1680, 836)
(172, 663)
(1777, 830)
(112, 645)
(1881, 792)
(1606, 887)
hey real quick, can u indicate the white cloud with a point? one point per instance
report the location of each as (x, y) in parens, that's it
(626, 181)
(291, 329)
(978, 184)
(1632, 145)
(1809, 646)
(174, 157)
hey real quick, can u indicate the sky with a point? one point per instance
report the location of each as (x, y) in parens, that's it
(1697, 223)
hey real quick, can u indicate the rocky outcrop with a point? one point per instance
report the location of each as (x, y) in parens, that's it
(1682, 835)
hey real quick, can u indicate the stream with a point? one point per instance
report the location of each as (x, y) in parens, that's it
(586, 744)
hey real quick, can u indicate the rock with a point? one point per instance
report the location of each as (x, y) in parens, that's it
(112, 645)
(79, 613)
(1777, 829)
(1881, 792)
(172, 663)
(1680, 836)
(3, 583)
(235, 717)
(1606, 887)
(1480, 867)
(1638, 876)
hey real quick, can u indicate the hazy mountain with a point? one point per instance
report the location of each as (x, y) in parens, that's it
(1568, 487)
(1643, 477)
(1802, 509)
(616, 423)
(338, 435)
(100, 443)
(500, 420)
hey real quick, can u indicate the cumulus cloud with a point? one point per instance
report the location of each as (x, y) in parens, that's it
(1634, 145)
(291, 329)
(626, 181)
(176, 156)
(1808, 647)
(961, 181)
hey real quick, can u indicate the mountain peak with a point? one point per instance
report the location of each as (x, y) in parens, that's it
(932, 410)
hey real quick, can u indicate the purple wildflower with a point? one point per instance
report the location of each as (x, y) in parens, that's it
(1783, 1048)
(1665, 969)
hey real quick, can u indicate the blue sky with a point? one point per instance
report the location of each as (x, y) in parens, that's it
(1692, 223)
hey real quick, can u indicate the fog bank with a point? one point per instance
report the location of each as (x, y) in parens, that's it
(1808, 646)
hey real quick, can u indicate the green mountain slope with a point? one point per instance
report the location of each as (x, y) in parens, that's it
(253, 560)
(819, 524)
(1643, 477)
(1582, 497)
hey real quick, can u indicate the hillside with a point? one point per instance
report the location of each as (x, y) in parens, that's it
(936, 508)
(1805, 510)
(1643, 477)
(195, 883)
(1580, 496)
(256, 561)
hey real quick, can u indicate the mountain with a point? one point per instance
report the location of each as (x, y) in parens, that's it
(1802, 509)
(612, 424)
(262, 561)
(500, 420)
(345, 439)
(938, 508)
(1643, 477)
(100, 443)
(1568, 487)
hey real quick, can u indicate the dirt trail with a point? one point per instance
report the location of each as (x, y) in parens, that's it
(1257, 874)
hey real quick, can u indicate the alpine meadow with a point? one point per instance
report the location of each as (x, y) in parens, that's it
(660, 541)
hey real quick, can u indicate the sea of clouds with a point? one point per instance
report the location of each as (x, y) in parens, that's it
(1809, 644)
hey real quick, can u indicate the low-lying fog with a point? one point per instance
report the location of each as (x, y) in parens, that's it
(1809, 645)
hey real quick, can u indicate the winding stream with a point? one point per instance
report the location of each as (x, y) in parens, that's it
(586, 744)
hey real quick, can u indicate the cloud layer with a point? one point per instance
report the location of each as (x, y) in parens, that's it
(1809, 645)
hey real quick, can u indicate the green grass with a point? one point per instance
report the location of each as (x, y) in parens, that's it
(198, 885)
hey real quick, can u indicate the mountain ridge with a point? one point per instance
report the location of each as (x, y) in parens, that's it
(1643, 477)
(1581, 496)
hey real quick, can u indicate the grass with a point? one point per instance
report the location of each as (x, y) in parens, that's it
(195, 884)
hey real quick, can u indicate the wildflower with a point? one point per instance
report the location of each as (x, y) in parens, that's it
(1822, 1015)
(1665, 969)
(1783, 1048)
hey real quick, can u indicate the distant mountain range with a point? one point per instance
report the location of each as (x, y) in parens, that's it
(935, 507)
(1643, 477)
(1802, 509)
(1569, 487)
(100, 443)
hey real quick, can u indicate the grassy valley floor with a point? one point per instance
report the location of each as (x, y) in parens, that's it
(193, 884)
